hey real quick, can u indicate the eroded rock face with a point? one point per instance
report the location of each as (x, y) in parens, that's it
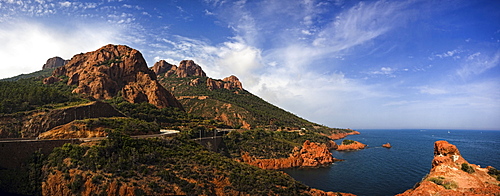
(188, 68)
(448, 176)
(162, 67)
(103, 73)
(54, 62)
(229, 83)
(310, 155)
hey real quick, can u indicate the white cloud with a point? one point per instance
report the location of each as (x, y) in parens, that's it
(65, 4)
(359, 24)
(478, 63)
(27, 45)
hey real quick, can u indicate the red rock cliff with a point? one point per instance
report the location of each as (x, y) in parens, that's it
(448, 176)
(111, 69)
(310, 155)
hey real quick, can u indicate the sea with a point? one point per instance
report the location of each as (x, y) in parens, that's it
(380, 171)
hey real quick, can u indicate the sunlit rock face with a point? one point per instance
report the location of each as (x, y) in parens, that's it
(113, 70)
(451, 174)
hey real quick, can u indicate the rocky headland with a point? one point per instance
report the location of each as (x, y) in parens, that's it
(351, 145)
(451, 174)
(342, 135)
(311, 154)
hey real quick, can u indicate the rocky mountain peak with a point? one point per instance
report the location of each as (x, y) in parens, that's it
(189, 68)
(54, 62)
(163, 66)
(114, 69)
(232, 82)
(186, 68)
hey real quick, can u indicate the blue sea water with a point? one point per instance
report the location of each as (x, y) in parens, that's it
(380, 171)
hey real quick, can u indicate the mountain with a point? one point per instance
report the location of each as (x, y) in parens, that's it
(114, 70)
(226, 100)
(111, 92)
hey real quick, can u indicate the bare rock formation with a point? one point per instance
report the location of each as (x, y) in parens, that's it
(352, 146)
(451, 174)
(115, 69)
(54, 62)
(188, 68)
(310, 155)
(229, 83)
(162, 66)
(337, 136)
(232, 82)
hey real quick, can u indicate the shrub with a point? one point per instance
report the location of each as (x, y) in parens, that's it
(97, 179)
(77, 183)
(494, 172)
(467, 168)
(446, 184)
(347, 142)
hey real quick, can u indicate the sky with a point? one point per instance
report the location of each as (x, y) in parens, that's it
(402, 64)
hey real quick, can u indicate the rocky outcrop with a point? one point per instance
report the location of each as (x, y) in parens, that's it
(388, 145)
(188, 68)
(341, 135)
(32, 124)
(310, 155)
(232, 82)
(162, 67)
(229, 83)
(353, 146)
(114, 69)
(451, 174)
(54, 62)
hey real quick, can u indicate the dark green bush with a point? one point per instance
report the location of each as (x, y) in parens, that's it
(467, 168)
(347, 142)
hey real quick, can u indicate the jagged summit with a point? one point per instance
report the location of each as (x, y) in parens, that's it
(113, 70)
(186, 68)
(54, 62)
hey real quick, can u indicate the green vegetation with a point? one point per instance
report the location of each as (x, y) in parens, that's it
(25, 180)
(446, 184)
(467, 168)
(38, 74)
(250, 108)
(150, 113)
(129, 126)
(494, 172)
(347, 142)
(266, 144)
(28, 94)
(177, 162)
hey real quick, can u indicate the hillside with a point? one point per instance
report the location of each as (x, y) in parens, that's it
(111, 92)
(227, 101)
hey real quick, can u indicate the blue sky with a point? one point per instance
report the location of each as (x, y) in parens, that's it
(356, 64)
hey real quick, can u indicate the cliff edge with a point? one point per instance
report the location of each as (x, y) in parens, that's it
(451, 174)
(310, 155)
